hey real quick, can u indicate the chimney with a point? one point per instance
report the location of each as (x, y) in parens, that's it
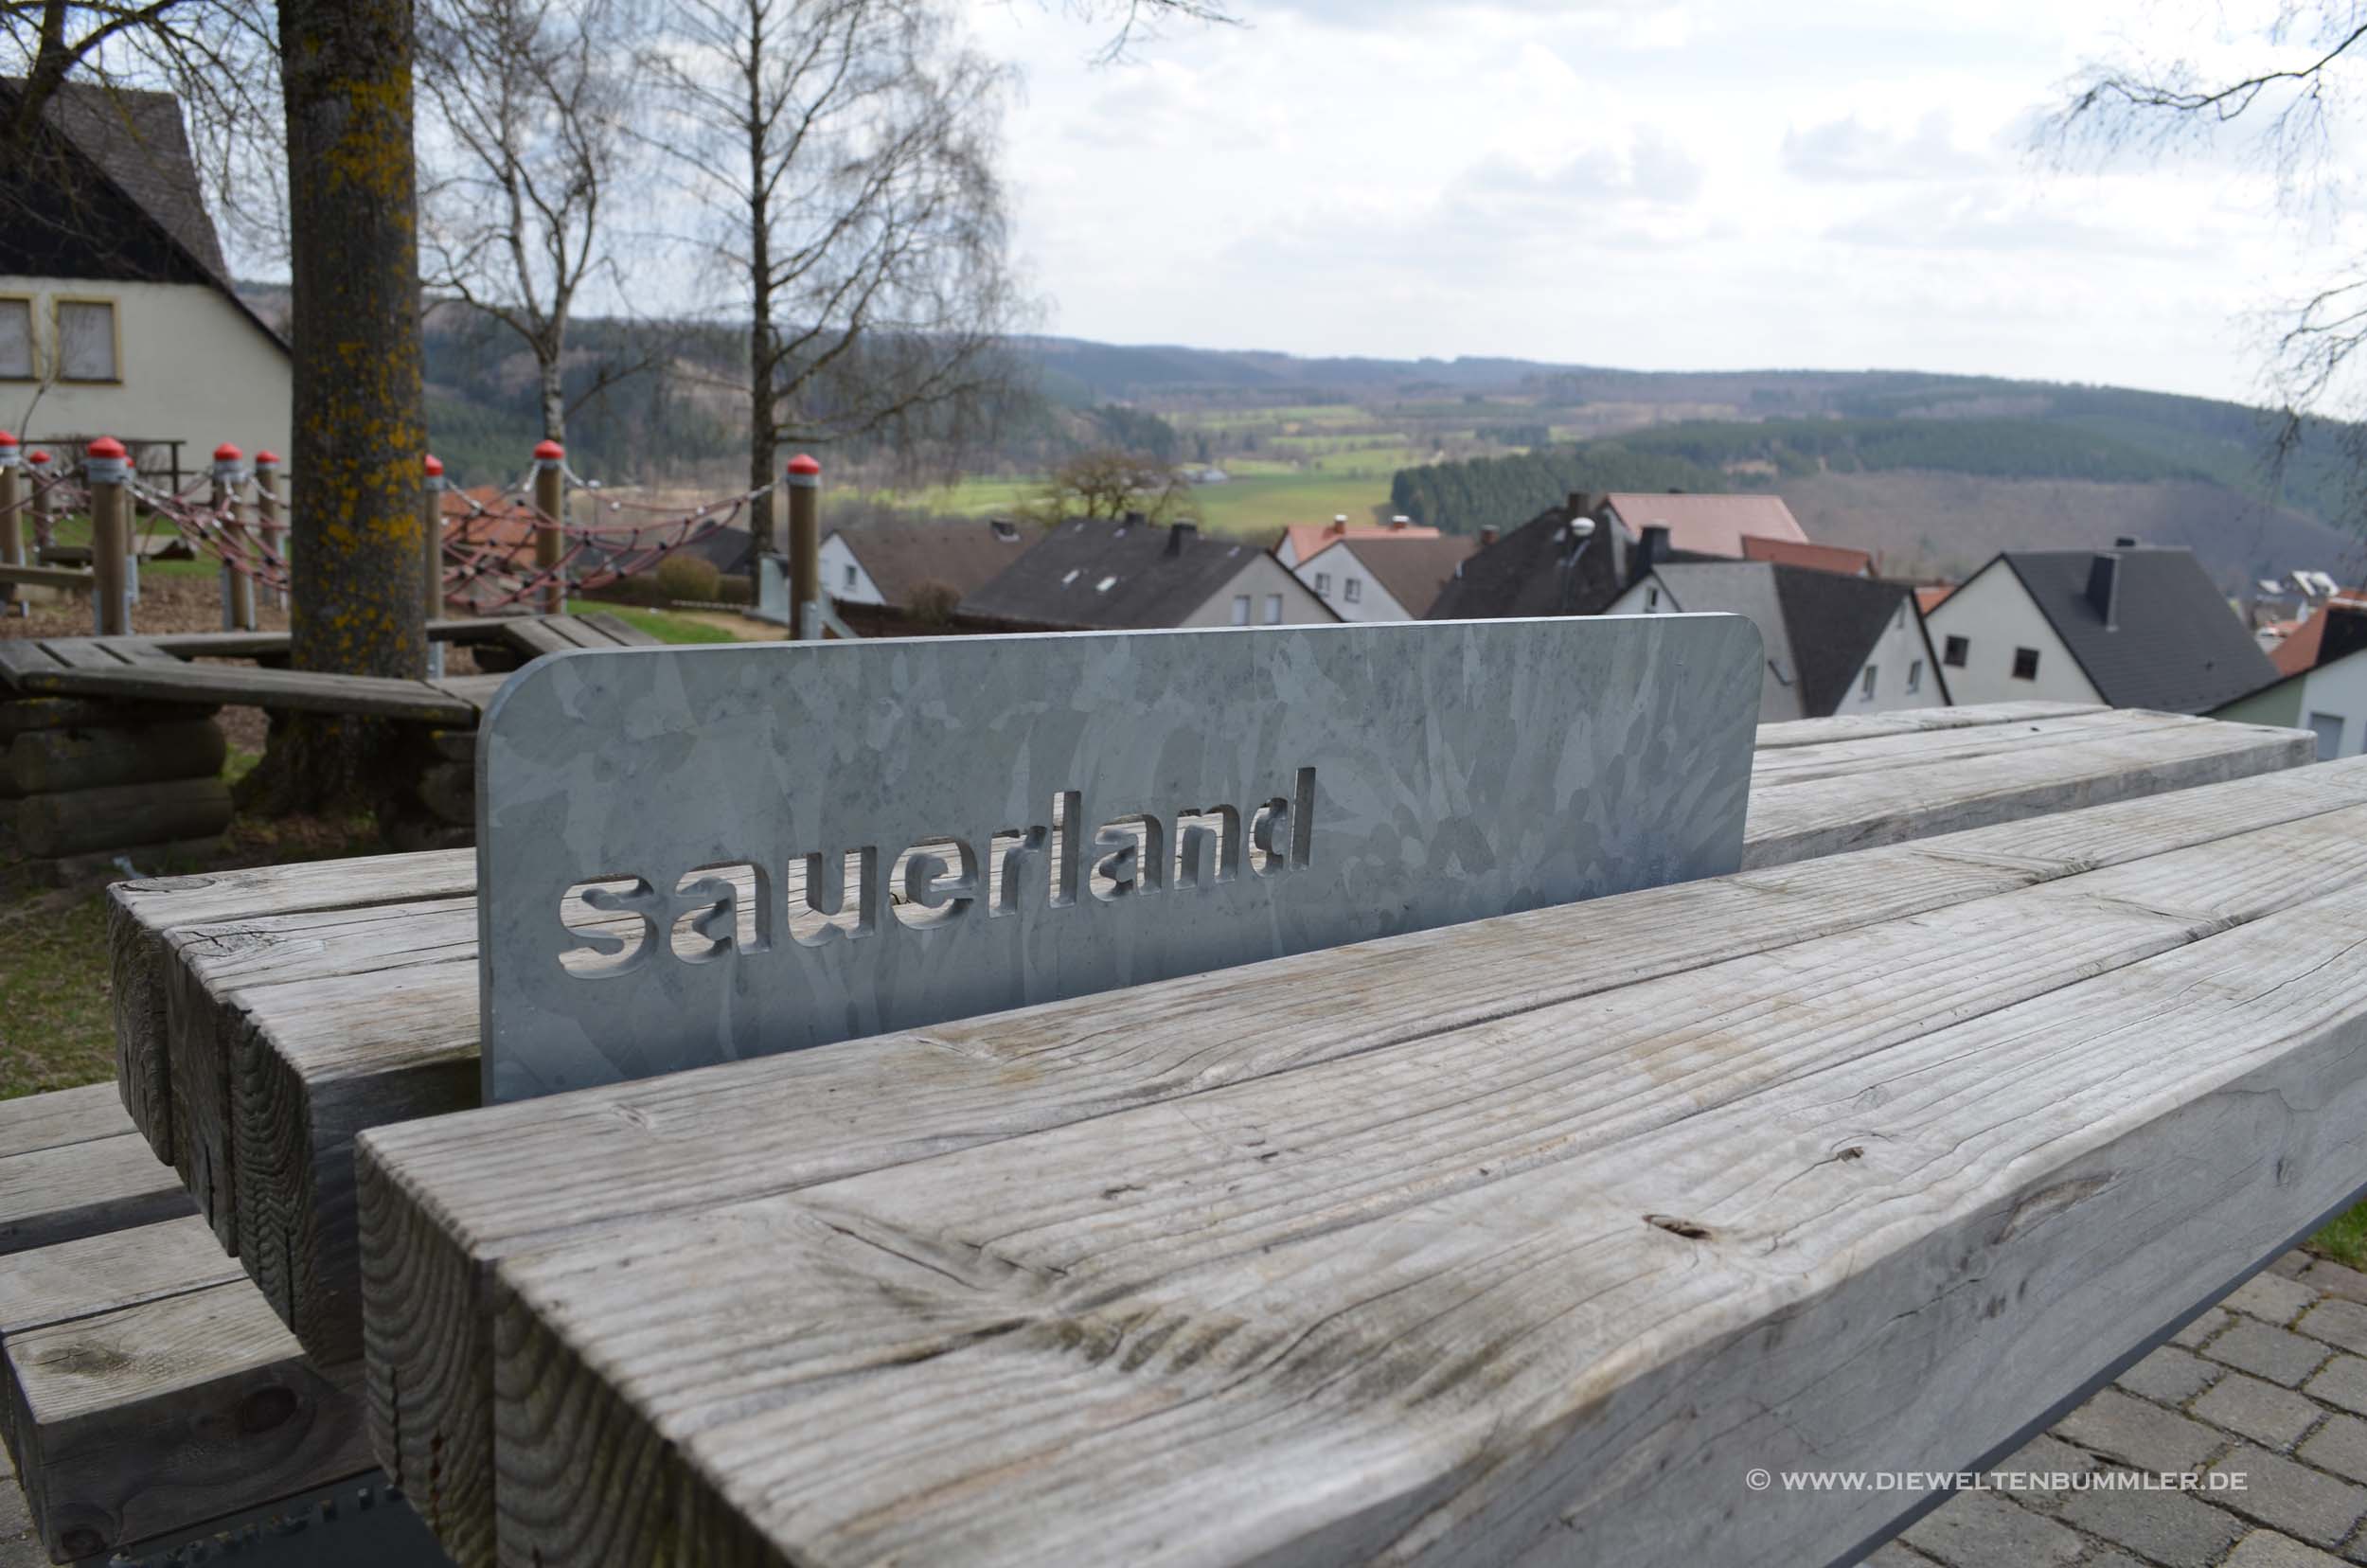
(1181, 536)
(1135, 520)
(1398, 522)
(2104, 588)
(1488, 537)
(1339, 524)
(1654, 548)
(1575, 504)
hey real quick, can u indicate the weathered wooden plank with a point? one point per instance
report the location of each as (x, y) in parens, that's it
(476, 690)
(1861, 726)
(143, 916)
(1829, 815)
(573, 630)
(81, 652)
(110, 1271)
(82, 1189)
(441, 1200)
(68, 578)
(617, 629)
(1673, 1260)
(117, 815)
(1782, 766)
(20, 658)
(162, 1414)
(62, 1117)
(287, 689)
(35, 715)
(537, 638)
(58, 761)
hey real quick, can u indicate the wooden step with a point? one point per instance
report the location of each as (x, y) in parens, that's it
(1496, 1243)
(72, 1166)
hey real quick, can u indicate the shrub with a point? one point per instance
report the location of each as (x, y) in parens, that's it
(931, 603)
(687, 577)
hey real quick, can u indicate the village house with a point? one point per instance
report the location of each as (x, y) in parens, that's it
(2322, 680)
(891, 565)
(117, 314)
(2132, 626)
(1834, 642)
(1387, 576)
(1300, 541)
(1089, 574)
(1706, 525)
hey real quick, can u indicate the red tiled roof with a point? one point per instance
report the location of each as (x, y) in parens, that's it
(1817, 558)
(1708, 524)
(1305, 539)
(1928, 598)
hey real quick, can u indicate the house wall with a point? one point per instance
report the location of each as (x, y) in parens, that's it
(1339, 564)
(837, 561)
(193, 368)
(2334, 691)
(1995, 614)
(1779, 698)
(1894, 658)
(1259, 576)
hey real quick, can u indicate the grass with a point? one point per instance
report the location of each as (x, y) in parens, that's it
(56, 1031)
(2344, 1239)
(657, 623)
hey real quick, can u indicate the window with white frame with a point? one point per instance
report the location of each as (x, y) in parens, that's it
(1865, 686)
(1322, 584)
(86, 341)
(16, 340)
(1241, 608)
(1354, 588)
(1274, 609)
(1914, 677)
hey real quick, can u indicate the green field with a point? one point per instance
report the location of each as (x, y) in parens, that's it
(1263, 496)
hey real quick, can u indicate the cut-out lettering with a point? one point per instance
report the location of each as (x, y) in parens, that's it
(1130, 857)
(1207, 846)
(820, 908)
(938, 878)
(1007, 853)
(720, 909)
(615, 922)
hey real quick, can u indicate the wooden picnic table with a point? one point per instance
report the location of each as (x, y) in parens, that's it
(1527, 1237)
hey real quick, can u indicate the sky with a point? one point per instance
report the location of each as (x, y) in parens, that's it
(1656, 185)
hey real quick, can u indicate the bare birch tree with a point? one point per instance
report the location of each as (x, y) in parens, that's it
(526, 107)
(841, 153)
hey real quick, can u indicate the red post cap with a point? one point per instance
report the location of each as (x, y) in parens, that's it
(435, 466)
(549, 452)
(267, 456)
(227, 453)
(7, 440)
(803, 464)
(106, 446)
(37, 456)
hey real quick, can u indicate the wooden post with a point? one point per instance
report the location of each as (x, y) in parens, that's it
(432, 558)
(804, 482)
(237, 588)
(11, 523)
(273, 532)
(111, 609)
(37, 476)
(550, 500)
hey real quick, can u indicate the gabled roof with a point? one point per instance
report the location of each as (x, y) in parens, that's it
(2173, 645)
(1307, 540)
(140, 217)
(1817, 558)
(1707, 525)
(1414, 569)
(1817, 627)
(1932, 595)
(1090, 573)
(963, 556)
(1519, 575)
(2302, 648)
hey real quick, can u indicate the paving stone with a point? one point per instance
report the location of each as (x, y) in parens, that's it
(2268, 1549)
(2271, 1296)
(2171, 1528)
(2138, 1433)
(2291, 1265)
(2203, 1327)
(2277, 1354)
(2339, 1446)
(2335, 1280)
(2343, 1381)
(2043, 1456)
(1891, 1554)
(2262, 1412)
(1978, 1530)
(2108, 1556)
(2337, 1322)
(2291, 1497)
(2170, 1375)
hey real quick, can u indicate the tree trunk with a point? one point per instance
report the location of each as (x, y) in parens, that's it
(763, 434)
(352, 199)
(550, 358)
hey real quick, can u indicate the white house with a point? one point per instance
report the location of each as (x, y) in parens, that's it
(1130, 575)
(118, 316)
(1384, 576)
(2134, 626)
(882, 563)
(1300, 541)
(1833, 642)
(2330, 698)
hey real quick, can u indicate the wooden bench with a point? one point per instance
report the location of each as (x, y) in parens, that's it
(145, 1385)
(1524, 1238)
(264, 1018)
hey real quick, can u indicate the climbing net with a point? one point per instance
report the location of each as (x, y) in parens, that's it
(489, 549)
(42, 497)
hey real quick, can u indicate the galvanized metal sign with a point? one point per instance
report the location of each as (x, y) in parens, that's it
(689, 855)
